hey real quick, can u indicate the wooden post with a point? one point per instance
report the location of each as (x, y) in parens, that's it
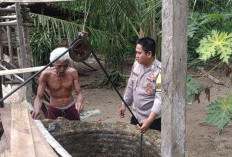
(1, 46)
(1, 94)
(29, 92)
(9, 42)
(174, 72)
(22, 53)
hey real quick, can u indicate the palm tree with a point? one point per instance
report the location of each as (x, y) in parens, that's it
(113, 25)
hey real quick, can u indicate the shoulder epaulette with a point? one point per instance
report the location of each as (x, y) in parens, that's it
(158, 83)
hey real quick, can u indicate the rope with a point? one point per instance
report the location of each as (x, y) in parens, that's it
(86, 15)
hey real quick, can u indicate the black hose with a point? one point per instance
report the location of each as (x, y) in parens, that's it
(141, 137)
(114, 86)
(141, 146)
(29, 79)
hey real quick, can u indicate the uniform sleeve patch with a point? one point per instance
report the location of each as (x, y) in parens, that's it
(149, 85)
(152, 76)
(134, 79)
(148, 91)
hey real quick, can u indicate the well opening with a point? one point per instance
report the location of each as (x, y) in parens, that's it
(88, 139)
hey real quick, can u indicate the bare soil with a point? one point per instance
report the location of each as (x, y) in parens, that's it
(201, 140)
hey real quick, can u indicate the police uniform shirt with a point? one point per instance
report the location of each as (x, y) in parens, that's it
(144, 90)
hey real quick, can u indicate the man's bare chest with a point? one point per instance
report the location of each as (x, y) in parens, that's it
(57, 83)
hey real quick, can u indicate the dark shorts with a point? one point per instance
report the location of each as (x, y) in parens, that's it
(156, 124)
(70, 113)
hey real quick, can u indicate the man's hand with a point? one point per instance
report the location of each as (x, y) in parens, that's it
(79, 107)
(122, 111)
(35, 114)
(144, 125)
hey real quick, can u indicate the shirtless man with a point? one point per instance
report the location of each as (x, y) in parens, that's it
(59, 81)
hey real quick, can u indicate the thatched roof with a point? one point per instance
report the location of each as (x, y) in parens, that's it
(49, 9)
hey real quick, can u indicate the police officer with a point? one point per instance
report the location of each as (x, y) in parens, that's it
(144, 87)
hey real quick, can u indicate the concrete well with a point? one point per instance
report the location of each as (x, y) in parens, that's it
(88, 139)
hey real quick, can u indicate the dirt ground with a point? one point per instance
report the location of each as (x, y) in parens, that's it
(201, 141)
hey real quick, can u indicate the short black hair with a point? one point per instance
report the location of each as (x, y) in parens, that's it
(148, 44)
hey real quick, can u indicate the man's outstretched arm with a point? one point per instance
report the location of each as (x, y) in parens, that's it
(38, 100)
(80, 98)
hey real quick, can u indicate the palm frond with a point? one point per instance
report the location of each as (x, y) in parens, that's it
(68, 29)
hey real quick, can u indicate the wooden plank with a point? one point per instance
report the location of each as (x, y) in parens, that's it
(4, 149)
(14, 23)
(59, 149)
(9, 22)
(42, 148)
(16, 76)
(174, 72)
(7, 10)
(50, 139)
(8, 17)
(6, 123)
(18, 71)
(21, 135)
